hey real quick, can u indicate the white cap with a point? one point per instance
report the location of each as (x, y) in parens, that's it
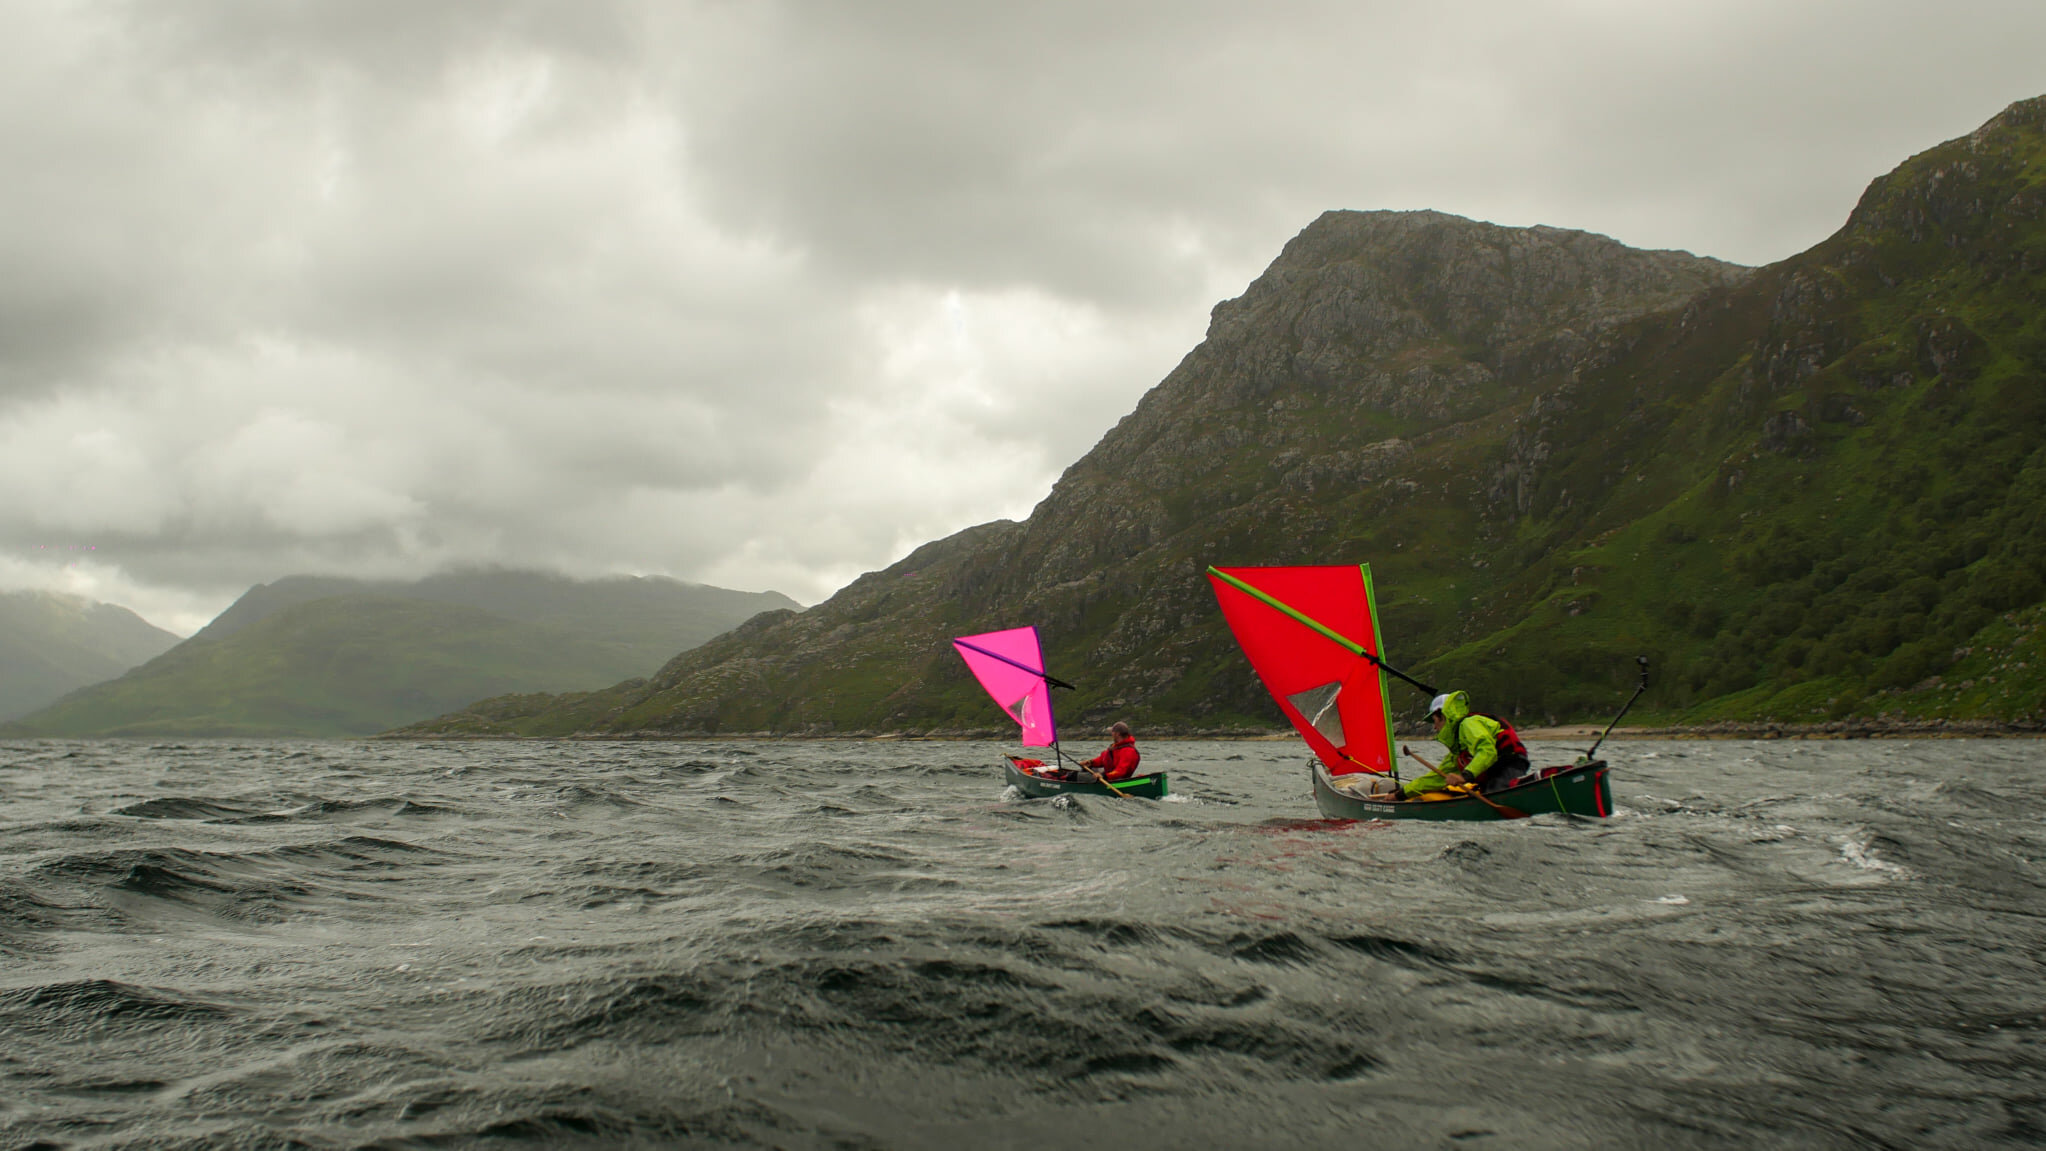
(1435, 705)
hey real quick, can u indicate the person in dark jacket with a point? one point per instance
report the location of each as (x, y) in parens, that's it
(1120, 759)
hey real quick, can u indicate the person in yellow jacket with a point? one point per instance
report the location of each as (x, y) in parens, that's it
(1482, 748)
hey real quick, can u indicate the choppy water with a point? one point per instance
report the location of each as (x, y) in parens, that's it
(844, 945)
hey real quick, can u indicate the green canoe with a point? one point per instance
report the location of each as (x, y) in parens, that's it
(1579, 790)
(1151, 786)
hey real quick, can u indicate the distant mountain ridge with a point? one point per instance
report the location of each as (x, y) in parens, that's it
(609, 609)
(319, 656)
(51, 644)
(1809, 491)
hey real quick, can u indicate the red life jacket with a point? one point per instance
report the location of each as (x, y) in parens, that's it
(1119, 761)
(1507, 740)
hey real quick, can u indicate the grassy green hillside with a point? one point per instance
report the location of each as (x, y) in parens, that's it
(642, 620)
(326, 657)
(1822, 495)
(343, 665)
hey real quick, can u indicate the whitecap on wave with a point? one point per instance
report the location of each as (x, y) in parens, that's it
(1858, 852)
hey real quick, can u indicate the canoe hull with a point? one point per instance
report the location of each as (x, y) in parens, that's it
(1579, 790)
(1037, 787)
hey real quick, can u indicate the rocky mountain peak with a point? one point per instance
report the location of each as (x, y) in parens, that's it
(1369, 329)
(1477, 284)
(1950, 193)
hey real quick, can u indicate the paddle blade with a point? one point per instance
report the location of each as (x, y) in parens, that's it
(1505, 812)
(1010, 666)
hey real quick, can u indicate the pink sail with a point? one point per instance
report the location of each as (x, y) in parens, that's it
(1010, 665)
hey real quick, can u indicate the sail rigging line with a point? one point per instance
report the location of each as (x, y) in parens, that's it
(1038, 672)
(1366, 766)
(1298, 616)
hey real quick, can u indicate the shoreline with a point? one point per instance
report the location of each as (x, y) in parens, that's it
(1724, 729)
(1561, 733)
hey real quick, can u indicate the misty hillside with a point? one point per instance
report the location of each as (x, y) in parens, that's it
(315, 656)
(646, 618)
(51, 644)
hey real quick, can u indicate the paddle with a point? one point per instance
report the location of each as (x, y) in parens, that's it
(1470, 789)
(1592, 752)
(1112, 789)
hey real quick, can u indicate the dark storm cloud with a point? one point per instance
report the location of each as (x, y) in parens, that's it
(766, 294)
(1057, 143)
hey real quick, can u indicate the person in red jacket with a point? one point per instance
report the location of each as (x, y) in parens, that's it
(1120, 760)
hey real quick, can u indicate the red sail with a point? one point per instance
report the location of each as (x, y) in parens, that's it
(1302, 629)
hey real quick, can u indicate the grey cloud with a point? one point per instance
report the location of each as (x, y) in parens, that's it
(393, 42)
(769, 292)
(1047, 143)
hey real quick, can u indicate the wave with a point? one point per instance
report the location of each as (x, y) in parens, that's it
(570, 1117)
(347, 810)
(209, 810)
(693, 767)
(991, 769)
(65, 1009)
(26, 917)
(22, 908)
(1281, 949)
(265, 886)
(581, 795)
(556, 1016)
(351, 853)
(1399, 952)
(1114, 933)
(880, 797)
(186, 808)
(1009, 1018)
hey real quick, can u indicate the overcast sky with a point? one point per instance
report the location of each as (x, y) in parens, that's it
(764, 295)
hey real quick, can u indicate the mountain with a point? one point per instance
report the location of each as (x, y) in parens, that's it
(51, 644)
(645, 618)
(314, 656)
(1810, 491)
